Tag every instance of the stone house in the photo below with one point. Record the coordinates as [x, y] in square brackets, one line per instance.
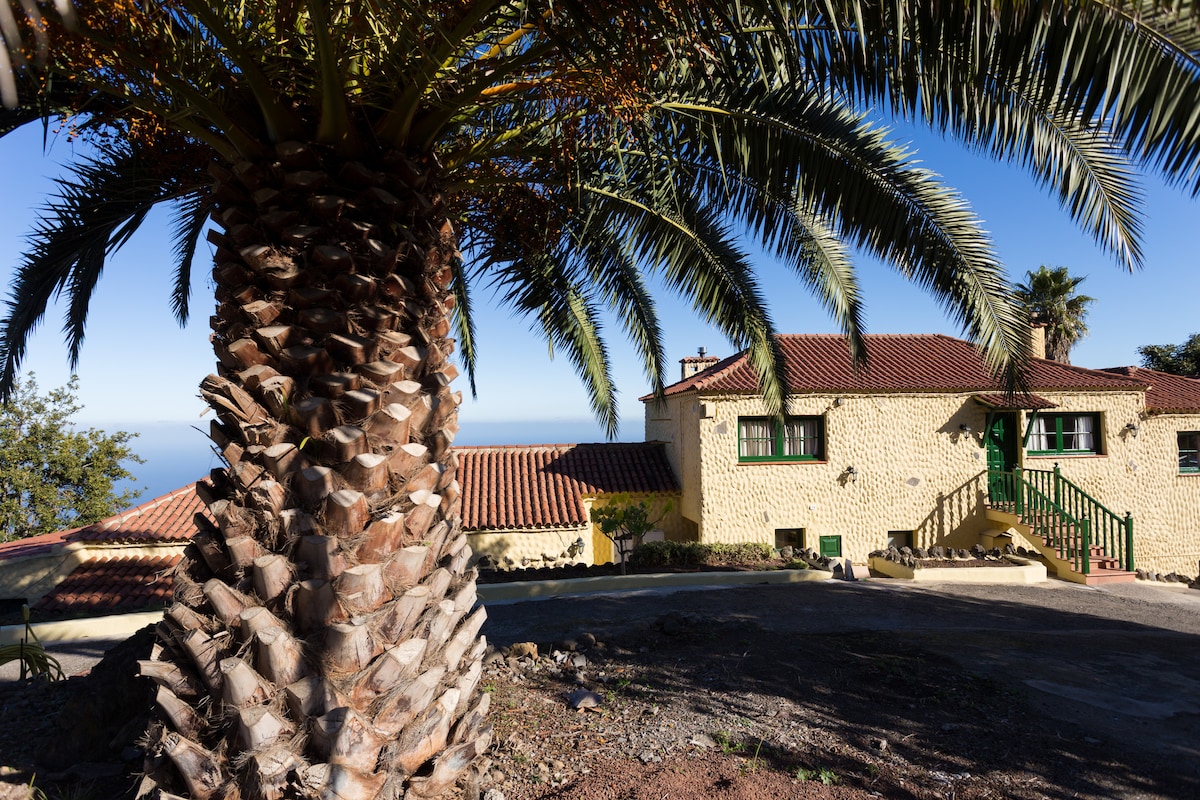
[922, 447]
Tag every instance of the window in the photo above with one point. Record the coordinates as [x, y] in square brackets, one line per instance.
[789, 537]
[797, 439]
[899, 539]
[1058, 434]
[1189, 451]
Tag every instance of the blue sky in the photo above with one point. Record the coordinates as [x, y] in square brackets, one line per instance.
[139, 369]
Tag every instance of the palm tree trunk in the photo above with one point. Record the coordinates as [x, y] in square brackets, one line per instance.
[324, 640]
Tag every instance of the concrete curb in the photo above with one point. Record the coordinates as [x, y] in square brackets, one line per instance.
[533, 590]
[125, 625]
[75, 630]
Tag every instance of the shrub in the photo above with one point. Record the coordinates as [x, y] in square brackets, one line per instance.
[696, 554]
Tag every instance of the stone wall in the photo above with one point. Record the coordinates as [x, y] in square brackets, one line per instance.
[916, 470]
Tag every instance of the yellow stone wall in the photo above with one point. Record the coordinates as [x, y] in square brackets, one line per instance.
[918, 471]
[537, 547]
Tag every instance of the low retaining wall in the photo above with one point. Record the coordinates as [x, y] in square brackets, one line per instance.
[1026, 572]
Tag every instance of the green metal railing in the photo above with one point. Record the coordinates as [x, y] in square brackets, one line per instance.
[1068, 518]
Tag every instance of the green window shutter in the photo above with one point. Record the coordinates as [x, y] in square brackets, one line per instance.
[831, 546]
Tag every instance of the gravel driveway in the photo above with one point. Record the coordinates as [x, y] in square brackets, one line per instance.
[1119, 661]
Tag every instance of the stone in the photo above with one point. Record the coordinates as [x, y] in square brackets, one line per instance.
[906, 550]
[1009, 549]
[523, 650]
[703, 740]
[787, 553]
[977, 551]
[921, 552]
[584, 700]
[586, 640]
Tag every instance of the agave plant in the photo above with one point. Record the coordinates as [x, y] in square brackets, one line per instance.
[342, 156]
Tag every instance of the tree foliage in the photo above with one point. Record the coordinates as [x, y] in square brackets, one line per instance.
[1177, 359]
[53, 476]
[625, 522]
[1049, 295]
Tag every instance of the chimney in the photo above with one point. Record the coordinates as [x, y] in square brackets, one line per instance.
[693, 364]
[1037, 339]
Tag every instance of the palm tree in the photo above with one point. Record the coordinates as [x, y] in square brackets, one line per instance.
[346, 154]
[1049, 297]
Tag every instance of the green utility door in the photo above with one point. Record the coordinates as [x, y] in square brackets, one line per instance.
[1002, 449]
[831, 546]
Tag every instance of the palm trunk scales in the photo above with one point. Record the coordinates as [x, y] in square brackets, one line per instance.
[324, 640]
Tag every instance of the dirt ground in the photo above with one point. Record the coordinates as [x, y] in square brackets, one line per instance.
[813, 690]
[851, 690]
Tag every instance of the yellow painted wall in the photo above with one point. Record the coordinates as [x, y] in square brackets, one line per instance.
[918, 471]
[542, 547]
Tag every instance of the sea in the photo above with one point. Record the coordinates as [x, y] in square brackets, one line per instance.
[176, 454]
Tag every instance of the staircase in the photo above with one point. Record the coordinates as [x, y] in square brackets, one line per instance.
[1078, 538]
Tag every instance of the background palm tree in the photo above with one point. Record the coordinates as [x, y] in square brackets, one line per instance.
[337, 154]
[1049, 296]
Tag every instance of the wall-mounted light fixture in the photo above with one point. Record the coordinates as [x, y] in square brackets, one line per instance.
[576, 547]
[1132, 428]
[965, 428]
[851, 473]
[837, 402]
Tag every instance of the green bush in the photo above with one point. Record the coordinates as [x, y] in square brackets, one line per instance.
[696, 554]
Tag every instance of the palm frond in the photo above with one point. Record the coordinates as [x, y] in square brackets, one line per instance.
[96, 210]
[189, 221]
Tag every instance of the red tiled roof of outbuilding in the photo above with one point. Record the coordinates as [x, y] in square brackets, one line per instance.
[170, 518]
[896, 362]
[1167, 393]
[114, 584]
[543, 486]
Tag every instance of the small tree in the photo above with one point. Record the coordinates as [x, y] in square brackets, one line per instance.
[51, 475]
[1177, 359]
[625, 522]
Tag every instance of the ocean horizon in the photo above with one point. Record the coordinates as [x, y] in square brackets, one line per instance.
[177, 454]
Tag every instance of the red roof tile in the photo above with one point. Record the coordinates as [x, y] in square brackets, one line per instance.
[34, 545]
[170, 518]
[541, 486]
[1000, 400]
[114, 584]
[1167, 393]
[896, 362]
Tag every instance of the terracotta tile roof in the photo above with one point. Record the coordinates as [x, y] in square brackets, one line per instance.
[541, 486]
[113, 585]
[170, 518]
[897, 362]
[34, 545]
[1167, 393]
[1027, 401]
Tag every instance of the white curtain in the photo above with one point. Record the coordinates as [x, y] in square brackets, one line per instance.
[802, 437]
[756, 437]
[1042, 435]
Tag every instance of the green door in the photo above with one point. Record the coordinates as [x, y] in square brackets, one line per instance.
[1001, 455]
[831, 546]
